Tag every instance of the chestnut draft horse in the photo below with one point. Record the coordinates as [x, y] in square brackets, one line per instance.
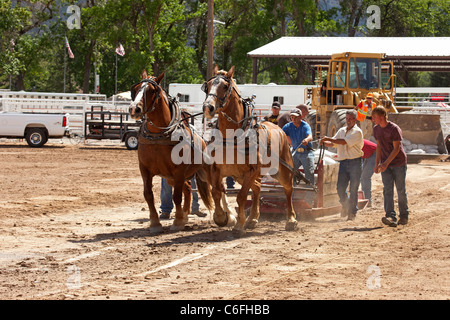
[223, 97]
[162, 119]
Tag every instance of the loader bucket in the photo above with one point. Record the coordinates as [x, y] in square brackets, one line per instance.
[421, 130]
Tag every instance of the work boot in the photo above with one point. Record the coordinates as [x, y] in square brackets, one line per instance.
[164, 215]
[389, 221]
[403, 221]
[351, 217]
[200, 214]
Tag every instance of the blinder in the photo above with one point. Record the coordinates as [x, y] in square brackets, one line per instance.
[145, 82]
[216, 79]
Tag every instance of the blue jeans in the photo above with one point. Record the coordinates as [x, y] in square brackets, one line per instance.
[366, 176]
[230, 183]
[166, 197]
[305, 159]
[397, 176]
[349, 176]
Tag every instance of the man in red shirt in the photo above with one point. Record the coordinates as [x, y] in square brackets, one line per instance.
[369, 158]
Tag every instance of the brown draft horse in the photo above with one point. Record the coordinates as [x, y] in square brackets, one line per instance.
[223, 98]
[161, 119]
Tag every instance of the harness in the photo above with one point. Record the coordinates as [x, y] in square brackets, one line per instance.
[249, 121]
[156, 138]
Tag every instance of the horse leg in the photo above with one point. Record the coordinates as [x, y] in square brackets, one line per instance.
[223, 218]
[241, 198]
[285, 179]
[155, 224]
[180, 217]
[252, 219]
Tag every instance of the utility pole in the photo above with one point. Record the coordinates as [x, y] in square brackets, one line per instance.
[210, 44]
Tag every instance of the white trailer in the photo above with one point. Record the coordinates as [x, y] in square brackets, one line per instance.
[289, 96]
[74, 105]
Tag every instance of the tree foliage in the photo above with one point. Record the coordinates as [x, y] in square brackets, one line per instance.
[171, 36]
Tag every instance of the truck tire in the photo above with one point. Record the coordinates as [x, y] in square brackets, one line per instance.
[131, 141]
[36, 137]
[311, 119]
[337, 121]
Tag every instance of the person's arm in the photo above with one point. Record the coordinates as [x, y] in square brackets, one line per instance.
[377, 159]
[307, 140]
[330, 141]
[289, 141]
[383, 166]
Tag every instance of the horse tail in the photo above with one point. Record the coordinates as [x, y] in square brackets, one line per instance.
[205, 193]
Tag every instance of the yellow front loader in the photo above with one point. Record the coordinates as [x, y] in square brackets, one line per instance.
[348, 80]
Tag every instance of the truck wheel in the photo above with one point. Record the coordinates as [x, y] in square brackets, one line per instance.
[311, 119]
[337, 121]
[36, 137]
[131, 141]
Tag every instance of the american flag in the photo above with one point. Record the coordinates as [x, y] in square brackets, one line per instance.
[120, 50]
[68, 49]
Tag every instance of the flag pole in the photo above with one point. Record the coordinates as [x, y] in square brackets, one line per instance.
[115, 90]
[65, 62]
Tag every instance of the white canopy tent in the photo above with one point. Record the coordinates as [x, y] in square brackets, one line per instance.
[408, 53]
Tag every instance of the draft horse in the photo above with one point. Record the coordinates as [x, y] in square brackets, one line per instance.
[223, 98]
[161, 118]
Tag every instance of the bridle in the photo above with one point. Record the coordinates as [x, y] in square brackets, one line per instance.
[216, 80]
[137, 97]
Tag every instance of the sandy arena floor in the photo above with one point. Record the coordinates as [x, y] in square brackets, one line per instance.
[74, 225]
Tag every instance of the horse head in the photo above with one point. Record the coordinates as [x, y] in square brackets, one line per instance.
[144, 95]
[217, 90]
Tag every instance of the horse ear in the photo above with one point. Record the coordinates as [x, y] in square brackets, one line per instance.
[216, 69]
[144, 75]
[230, 73]
[160, 77]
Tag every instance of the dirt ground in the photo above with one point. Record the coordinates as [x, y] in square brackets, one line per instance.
[74, 225]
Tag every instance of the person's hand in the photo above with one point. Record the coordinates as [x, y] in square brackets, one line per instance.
[382, 167]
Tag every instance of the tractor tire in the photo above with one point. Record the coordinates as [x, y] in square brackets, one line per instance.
[337, 121]
[36, 137]
[131, 141]
[311, 119]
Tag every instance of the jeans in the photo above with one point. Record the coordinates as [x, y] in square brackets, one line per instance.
[349, 174]
[305, 159]
[166, 197]
[230, 183]
[366, 176]
[395, 175]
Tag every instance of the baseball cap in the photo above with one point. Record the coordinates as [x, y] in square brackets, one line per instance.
[276, 105]
[296, 112]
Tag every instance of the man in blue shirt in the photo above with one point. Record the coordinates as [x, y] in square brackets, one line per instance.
[300, 137]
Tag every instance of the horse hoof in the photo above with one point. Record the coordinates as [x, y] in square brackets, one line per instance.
[156, 229]
[238, 232]
[251, 224]
[221, 222]
[176, 228]
[291, 226]
[231, 221]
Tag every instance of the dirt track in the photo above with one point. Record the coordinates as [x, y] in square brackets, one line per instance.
[74, 225]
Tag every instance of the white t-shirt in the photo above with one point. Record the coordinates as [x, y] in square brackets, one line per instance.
[355, 141]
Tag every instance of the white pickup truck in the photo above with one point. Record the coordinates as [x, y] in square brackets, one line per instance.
[36, 128]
